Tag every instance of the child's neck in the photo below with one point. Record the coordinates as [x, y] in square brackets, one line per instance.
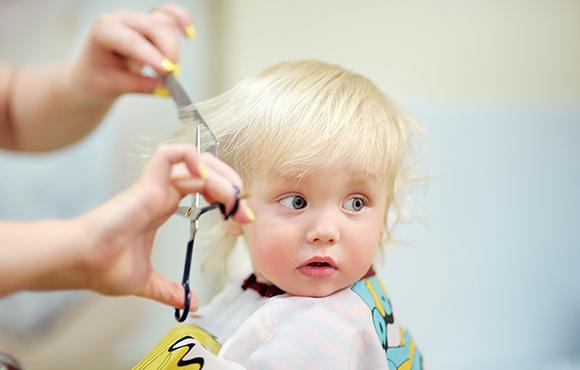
[262, 279]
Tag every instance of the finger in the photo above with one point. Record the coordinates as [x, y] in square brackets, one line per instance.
[133, 66]
[179, 15]
[111, 34]
[211, 184]
[222, 168]
[244, 213]
[220, 189]
[125, 82]
[169, 292]
[161, 31]
[166, 156]
[186, 184]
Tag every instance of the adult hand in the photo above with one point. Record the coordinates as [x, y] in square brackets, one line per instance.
[73, 98]
[118, 262]
[120, 43]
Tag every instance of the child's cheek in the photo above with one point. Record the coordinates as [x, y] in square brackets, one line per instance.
[269, 243]
[269, 251]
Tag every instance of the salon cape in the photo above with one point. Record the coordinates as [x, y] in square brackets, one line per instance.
[353, 328]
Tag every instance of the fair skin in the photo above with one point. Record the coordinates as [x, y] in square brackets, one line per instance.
[108, 249]
[48, 107]
[314, 237]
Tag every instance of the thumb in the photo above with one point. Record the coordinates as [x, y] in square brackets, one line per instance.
[166, 291]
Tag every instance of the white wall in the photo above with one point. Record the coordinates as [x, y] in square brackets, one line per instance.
[430, 50]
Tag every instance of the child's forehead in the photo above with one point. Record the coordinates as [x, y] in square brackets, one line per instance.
[298, 174]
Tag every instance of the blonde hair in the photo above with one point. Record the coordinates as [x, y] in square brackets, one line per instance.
[303, 116]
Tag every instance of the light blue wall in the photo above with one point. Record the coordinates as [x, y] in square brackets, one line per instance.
[492, 280]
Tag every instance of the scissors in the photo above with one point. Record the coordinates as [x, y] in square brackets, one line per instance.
[188, 113]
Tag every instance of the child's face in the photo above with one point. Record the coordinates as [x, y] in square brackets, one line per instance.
[316, 236]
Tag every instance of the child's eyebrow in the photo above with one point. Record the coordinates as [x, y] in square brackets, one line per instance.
[362, 178]
[286, 177]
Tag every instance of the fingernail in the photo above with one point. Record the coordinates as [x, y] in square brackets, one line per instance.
[250, 214]
[190, 31]
[177, 70]
[168, 65]
[161, 91]
[202, 171]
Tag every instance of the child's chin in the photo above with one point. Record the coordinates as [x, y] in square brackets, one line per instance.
[315, 292]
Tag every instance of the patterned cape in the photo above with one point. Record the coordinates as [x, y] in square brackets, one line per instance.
[252, 327]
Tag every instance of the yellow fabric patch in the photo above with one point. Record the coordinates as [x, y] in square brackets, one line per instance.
[378, 302]
[173, 351]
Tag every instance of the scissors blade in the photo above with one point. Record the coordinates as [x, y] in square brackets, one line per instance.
[187, 114]
[204, 140]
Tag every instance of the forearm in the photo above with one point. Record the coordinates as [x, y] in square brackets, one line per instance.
[41, 255]
[48, 108]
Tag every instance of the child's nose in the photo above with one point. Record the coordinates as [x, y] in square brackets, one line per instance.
[323, 232]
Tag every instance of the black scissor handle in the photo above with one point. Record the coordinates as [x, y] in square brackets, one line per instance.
[181, 316]
[234, 207]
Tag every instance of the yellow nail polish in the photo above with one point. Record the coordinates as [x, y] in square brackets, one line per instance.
[177, 70]
[202, 171]
[168, 65]
[161, 91]
[190, 31]
[250, 213]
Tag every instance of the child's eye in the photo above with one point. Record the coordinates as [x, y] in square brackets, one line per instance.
[293, 202]
[354, 204]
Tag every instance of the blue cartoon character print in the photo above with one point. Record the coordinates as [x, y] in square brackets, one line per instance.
[400, 351]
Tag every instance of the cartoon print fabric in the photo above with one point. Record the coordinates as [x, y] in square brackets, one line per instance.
[352, 329]
[400, 350]
[185, 347]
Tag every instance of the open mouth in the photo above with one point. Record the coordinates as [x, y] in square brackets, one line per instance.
[319, 261]
[318, 267]
[319, 264]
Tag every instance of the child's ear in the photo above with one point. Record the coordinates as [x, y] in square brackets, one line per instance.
[233, 228]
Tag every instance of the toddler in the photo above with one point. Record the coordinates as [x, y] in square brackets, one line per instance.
[321, 152]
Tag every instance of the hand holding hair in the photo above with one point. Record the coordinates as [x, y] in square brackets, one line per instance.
[122, 42]
[50, 106]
